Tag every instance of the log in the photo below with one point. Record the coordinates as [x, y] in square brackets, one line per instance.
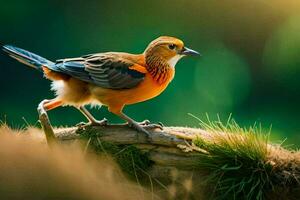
[175, 157]
[163, 146]
[243, 164]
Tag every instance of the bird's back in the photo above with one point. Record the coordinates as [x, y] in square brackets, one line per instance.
[113, 70]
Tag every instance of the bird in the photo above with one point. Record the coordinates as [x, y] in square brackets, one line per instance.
[112, 79]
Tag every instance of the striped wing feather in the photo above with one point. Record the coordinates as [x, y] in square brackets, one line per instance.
[107, 70]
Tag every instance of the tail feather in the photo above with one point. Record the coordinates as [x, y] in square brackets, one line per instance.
[27, 57]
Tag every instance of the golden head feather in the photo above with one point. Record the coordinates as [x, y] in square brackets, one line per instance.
[167, 49]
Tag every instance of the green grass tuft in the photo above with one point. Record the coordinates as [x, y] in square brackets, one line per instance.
[235, 164]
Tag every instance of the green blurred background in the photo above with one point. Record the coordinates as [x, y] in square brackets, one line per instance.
[250, 65]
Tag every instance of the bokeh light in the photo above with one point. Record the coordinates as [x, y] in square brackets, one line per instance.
[222, 79]
[250, 63]
[281, 56]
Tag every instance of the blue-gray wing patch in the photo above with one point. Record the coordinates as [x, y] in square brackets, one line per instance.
[106, 70]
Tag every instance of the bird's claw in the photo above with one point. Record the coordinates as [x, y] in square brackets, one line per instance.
[161, 124]
[81, 124]
[145, 122]
[152, 126]
[102, 122]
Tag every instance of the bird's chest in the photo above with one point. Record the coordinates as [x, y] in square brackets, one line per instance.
[149, 88]
[158, 85]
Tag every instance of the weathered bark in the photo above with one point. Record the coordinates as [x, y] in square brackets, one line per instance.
[163, 146]
[173, 167]
[176, 159]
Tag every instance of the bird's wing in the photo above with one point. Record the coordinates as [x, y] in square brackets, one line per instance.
[107, 70]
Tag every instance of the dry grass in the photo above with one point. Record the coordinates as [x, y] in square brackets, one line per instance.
[233, 163]
[31, 170]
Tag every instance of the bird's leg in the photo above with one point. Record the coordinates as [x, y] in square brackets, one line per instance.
[139, 126]
[42, 109]
[117, 110]
[50, 104]
[91, 118]
[133, 124]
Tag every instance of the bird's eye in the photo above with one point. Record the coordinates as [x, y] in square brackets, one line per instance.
[172, 46]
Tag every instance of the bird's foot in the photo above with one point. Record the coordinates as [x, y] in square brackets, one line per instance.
[152, 126]
[147, 124]
[102, 122]
[144, 123]
[140, 128]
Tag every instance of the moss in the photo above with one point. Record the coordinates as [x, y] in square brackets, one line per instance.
[131, 160]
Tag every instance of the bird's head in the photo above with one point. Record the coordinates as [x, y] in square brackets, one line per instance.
[168, 49]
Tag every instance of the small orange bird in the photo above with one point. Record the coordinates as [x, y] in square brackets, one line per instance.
[113, 79]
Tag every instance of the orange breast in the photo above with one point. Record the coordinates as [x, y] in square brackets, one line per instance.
[147, 89]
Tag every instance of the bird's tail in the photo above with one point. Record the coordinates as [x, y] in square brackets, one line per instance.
[27, 57]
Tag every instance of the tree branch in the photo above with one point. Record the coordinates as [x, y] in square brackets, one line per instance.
[173, 148]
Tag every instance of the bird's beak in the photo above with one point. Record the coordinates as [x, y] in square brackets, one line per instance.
[189, 52]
